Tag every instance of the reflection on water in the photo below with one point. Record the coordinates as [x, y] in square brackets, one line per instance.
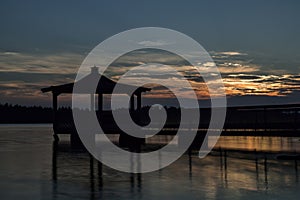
[274, 144]
[34, 167]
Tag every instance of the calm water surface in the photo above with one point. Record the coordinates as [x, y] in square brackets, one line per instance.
[32, 167]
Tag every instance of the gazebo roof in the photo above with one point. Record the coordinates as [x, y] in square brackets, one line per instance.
[105, 85]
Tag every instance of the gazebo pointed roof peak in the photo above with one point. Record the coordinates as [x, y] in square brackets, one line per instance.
[105, 85]
[95, 70]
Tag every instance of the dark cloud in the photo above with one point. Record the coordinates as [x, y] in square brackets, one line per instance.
[35, 77]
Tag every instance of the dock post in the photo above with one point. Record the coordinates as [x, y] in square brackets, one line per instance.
[295, 119]
[75, 140]
[265, 119]
[266, 171]
[131, 142]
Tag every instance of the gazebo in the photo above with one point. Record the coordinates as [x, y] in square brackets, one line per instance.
[104, 86]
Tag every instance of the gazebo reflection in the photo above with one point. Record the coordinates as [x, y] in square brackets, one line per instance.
[86, 168]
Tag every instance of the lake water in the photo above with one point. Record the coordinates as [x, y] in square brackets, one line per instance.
[32, 167]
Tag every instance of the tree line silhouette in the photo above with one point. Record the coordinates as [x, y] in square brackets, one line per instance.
[25, 114]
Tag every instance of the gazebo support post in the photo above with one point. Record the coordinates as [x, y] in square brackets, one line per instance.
[132, 102]
[92, 107]
[125, 140]
[54, 107]
[100, 102]
[139, 101]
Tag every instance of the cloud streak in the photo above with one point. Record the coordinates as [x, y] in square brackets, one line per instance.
[157, 43]
[39, 63]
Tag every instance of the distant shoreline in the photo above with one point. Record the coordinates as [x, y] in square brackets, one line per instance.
[2, 125]
[17, 114]
[25, 123]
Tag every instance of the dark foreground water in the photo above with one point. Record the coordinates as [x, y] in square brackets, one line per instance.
[33, 168]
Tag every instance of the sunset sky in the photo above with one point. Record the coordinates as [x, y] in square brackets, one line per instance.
[255, 44]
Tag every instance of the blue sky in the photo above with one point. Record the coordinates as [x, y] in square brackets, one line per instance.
[43, 43]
